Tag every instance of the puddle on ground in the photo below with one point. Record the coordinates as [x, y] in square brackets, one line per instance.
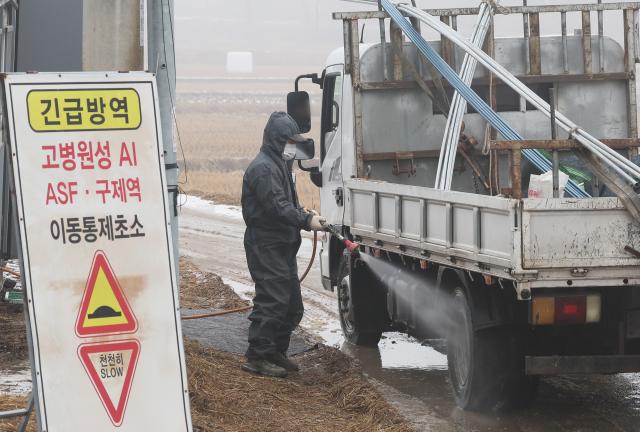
[634, 395]
[15, 381]
[564, 404]
[399, 351]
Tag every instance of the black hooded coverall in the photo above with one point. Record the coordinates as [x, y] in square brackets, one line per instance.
[271, 241]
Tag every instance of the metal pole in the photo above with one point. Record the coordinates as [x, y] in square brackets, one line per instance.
[555, 157]
[525, 22]
[416, 24]
[10, 228]
[636, 33]
[25, 421]
[144, 34]
[161, 55]
[35, 373]
[565, 45]
[601, 38]
[630, 66]
[3, 46]
[383, 46]
[587, 52]
[396, 45]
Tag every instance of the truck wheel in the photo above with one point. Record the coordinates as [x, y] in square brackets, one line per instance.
[359, 310]
[486, 367]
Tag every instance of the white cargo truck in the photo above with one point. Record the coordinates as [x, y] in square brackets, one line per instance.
[520, 287]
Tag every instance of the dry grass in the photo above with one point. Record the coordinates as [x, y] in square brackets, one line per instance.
[308, 193]
[221, 127]
[226, 188]
[13, 350]
[203, 290]
[210, 135]
[13, 334]
[329, 394]
[8, 403]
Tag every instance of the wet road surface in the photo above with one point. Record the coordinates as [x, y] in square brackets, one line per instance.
[234, 327]
[413, 377]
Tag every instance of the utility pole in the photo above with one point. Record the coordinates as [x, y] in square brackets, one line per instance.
[161, 56]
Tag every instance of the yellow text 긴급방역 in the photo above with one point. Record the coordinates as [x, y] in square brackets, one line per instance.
[83, 109]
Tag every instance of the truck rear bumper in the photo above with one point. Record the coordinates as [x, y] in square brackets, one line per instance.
[554, 365]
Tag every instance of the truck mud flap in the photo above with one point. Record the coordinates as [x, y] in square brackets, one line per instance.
[554, 365]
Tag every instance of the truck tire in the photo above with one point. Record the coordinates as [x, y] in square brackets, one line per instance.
[360, 306]
[486, 367]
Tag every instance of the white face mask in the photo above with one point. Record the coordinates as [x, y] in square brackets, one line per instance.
[289, 152]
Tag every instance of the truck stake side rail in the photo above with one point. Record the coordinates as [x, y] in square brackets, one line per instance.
[535, 242]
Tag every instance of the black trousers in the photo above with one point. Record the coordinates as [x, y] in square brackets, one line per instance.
[277, 306]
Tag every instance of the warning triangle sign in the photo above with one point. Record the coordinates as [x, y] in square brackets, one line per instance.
[104, 309]
[111, 367]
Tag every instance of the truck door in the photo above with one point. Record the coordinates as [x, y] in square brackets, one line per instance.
[331, 198]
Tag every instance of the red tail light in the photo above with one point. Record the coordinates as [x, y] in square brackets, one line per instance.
[571, 310]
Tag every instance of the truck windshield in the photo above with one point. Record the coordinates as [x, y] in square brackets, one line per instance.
[331, 103]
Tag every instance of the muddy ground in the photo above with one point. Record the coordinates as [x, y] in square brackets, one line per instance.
[330, 392]
[13, 341]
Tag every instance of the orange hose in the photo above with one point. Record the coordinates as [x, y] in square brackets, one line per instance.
[313, 256]
[213, 314]
[246, 308]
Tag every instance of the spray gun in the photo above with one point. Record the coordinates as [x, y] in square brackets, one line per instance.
[351, 246]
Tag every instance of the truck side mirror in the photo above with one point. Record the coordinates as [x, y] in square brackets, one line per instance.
[299, 107]
[305, 150]
[313, 169]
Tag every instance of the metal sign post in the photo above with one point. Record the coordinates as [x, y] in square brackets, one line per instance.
[97, 252]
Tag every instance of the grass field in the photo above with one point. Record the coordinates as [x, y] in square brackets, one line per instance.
[220, 126]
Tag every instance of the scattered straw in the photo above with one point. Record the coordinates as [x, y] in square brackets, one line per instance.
[329, 394]
[9, 403]
[203, 290]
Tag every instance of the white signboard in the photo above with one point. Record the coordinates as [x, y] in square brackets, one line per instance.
[97, 252]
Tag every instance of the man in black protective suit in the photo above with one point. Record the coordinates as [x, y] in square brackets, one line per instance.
[271, 241]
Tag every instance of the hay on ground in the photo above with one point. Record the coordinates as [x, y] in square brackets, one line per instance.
[204, 290]
[329, 394]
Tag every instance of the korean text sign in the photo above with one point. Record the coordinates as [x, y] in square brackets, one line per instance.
[88, 168]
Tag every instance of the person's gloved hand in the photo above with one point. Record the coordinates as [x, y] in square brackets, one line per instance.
[318, 223]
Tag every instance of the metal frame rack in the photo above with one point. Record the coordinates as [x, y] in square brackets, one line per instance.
[434, 87]
[8, 37]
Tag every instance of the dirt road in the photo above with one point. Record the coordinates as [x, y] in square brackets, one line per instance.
[411, 376]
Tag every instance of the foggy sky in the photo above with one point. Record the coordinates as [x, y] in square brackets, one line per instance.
[289, 37]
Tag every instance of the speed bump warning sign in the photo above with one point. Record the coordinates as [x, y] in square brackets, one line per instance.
[97, 254]
[104, 308]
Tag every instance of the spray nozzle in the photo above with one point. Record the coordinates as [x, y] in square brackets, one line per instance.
[352, 247]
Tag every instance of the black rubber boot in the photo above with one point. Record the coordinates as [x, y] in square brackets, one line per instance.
[265, 368]
[285, 362]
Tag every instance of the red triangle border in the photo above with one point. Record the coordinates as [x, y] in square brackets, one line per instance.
[116, 414]
[100, 261]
